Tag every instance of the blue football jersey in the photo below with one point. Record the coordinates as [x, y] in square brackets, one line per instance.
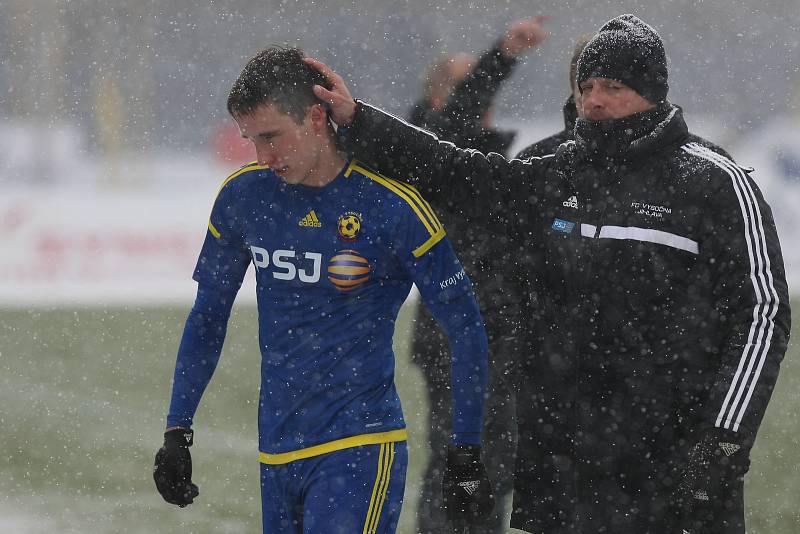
[333, 265]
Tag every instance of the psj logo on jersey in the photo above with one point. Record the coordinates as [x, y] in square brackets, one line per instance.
[347, 270]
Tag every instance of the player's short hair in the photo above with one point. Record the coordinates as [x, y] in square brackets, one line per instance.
[278, 76]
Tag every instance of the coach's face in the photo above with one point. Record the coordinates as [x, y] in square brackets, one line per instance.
[291, 149]
[603, 99]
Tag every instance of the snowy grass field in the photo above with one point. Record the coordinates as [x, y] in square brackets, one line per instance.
[83, 394]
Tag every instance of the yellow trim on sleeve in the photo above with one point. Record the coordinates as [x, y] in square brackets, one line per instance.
[252, 166]
[426, 246]
[332, 446]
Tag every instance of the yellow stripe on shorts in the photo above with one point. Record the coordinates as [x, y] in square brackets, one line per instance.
[379, 489]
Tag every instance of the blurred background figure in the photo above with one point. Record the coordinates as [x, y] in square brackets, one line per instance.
[457, 106]
[572, 109]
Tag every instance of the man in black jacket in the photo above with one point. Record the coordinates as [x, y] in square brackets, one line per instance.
[660, 304]
[459, 93]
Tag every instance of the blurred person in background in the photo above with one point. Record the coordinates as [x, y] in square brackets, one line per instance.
[336, 249]
[457, 106]
[662, 309]
[572, 109]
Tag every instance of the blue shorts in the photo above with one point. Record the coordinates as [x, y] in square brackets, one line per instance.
[358, 490]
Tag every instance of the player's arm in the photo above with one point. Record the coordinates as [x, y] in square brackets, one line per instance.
[751, 299]
[446, 290]
[219, 273]
[480, 185]
[473, 96]
[199, 351]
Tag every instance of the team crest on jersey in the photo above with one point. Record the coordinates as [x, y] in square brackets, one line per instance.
[349, 226]
[348, 270]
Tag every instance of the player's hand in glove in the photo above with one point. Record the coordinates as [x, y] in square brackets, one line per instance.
[173, 468]
[714, 474]
[466, 489]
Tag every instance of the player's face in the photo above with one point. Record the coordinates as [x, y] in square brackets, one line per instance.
[603, 99]
[291, 149]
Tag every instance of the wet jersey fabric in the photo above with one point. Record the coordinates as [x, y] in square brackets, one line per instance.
[333, 266]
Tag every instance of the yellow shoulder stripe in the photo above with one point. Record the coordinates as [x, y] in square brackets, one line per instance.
[252, 166]
[332, 446]
[407, 193]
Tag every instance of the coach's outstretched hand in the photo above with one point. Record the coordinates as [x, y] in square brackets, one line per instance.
[173, 468]
[341, 104]
[466, 490]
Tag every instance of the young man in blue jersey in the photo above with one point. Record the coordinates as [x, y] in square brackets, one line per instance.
[336, 248]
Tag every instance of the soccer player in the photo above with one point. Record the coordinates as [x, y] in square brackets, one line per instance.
[336, 248]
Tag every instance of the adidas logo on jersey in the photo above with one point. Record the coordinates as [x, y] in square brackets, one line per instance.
[571, 202]
[310, 220]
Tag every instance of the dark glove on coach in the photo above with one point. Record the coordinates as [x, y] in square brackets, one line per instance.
[173, 468]
[466, 489]
[714, 473]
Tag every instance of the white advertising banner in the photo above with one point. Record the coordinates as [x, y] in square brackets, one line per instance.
[63, 247]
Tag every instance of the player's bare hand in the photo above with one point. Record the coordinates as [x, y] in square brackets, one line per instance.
[341, 103]
[523, 35]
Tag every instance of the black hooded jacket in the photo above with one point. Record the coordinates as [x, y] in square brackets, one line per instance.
[657, 296]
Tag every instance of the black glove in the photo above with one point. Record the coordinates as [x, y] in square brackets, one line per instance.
[466, 489]
[173, 468]
[714, 473]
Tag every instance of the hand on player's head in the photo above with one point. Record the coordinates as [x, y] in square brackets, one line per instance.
[340, 102]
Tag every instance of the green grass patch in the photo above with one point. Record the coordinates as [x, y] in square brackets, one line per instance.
[84, 393]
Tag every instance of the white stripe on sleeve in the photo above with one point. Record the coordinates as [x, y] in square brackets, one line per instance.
[759, 338]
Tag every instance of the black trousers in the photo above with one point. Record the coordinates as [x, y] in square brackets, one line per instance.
[432, 355]
[618, 472]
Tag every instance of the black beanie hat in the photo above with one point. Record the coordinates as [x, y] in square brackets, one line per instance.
[630, 51]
